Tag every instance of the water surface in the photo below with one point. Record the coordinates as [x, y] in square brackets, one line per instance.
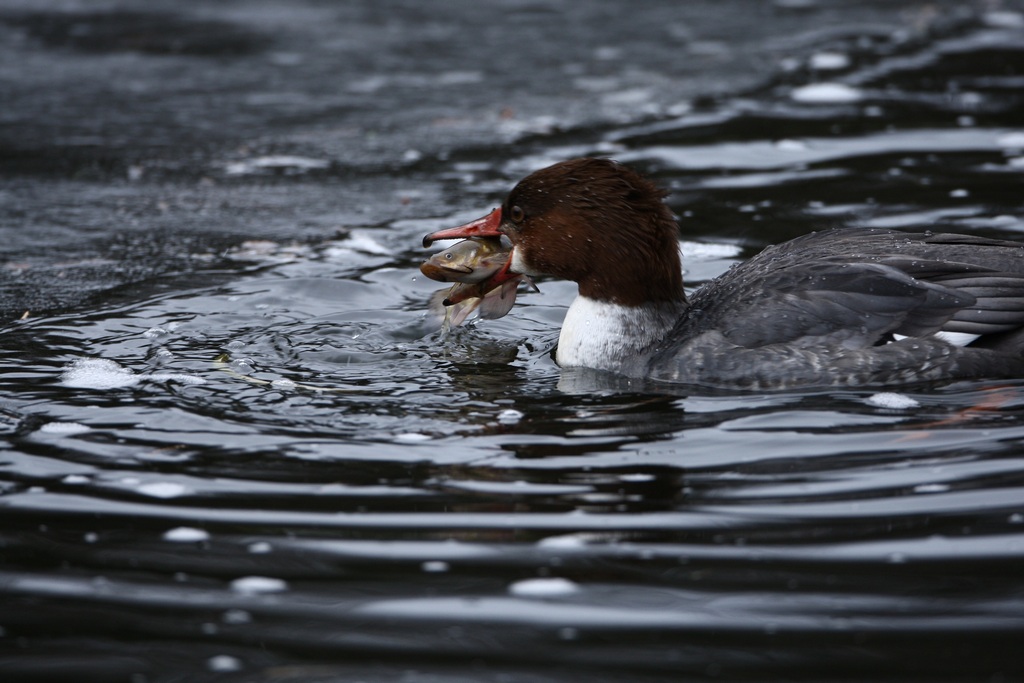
[277, 468]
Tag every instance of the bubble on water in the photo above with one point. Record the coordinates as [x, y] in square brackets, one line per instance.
[175, 377]
[257, 585]
[162, 489]
[829, 61]
[224, 663]
[562, 541]
[76, 479]
[186, 534]
[543, 588]
[931, 488]
[277, 163]
[959, 192]
[509, 416]
[98, 373]
[64, 428]
[412, 437]
[435, 566]
[636, 477]
[891, 400]
[260, 548]
[242, 366]
[826, 93]
[787, 145]
[102, 373]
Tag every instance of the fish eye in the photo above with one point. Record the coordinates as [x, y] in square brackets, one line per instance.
[449, 255]
[517, 214]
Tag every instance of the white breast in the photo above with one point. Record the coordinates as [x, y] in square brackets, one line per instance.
[602, 335]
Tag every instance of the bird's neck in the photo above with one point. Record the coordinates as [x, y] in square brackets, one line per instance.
[610, 336]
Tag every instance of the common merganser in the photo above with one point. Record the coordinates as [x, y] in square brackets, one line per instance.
[845, 307]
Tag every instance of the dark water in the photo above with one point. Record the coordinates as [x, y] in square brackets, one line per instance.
[276, 469]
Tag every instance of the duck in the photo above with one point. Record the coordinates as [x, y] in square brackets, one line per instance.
[843, 307]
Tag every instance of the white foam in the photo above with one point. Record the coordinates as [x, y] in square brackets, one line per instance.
[186, 534]
[412, 437]
[787, 145]
[826, 93]
[562, 541]
[277, 162]
[223, 663]
[98, 373]
[102, 373]
[175, 377]
[636, 476]
[162, 489]
[256, 585]
[435, 566]
[829, 61]
[509, 416]
[892, 400]
[543, 588]
[64, 428]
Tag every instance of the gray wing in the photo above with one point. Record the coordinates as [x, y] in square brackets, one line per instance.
[864, 288]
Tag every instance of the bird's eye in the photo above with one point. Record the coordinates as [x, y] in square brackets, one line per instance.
[517, 214]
